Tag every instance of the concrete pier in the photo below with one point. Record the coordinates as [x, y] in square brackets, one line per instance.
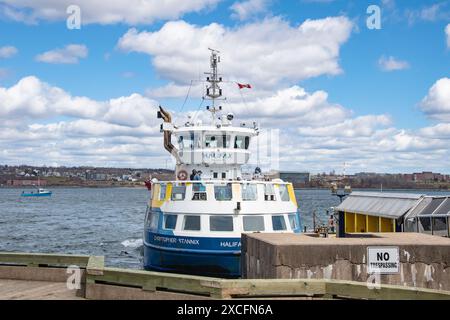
[424, 260]
[45, 276]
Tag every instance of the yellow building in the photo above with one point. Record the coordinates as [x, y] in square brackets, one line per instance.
[372, 212]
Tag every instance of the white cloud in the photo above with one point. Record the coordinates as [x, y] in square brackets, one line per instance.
[364, 126]
[8, 51]
[70, 54]
[392, 64]
[31, 98]
[437, 103]
[431, 13]
[265, 53]
[315, 133]
[104, 12]
[447, 32]
[290, 107]
[118, 132]
[243, 10]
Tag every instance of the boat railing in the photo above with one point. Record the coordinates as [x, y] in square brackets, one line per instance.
[223, 182]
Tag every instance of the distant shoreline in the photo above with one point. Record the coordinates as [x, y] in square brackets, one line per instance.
[144, 187]
[77, 187]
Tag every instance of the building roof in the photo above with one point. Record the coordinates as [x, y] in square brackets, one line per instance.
[431, 206]
[387, 205]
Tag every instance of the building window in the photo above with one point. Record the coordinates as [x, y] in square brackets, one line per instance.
[284, 194]
[440, 227]
[223, 193]
[221, 223]
[293, 221]
[170, 221]
[425, 225]
[253, 224]
[178, 193]
[191, 223]
[224, 175]
[216, 175]
[242, 142]
[269, 192]
[278, 223]
[249, 192]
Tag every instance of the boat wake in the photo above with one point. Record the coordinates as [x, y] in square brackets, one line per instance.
[133, 243]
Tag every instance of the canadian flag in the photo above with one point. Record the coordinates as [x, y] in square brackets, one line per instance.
[242, 86]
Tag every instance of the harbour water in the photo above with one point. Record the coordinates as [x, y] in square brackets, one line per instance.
[103, 221]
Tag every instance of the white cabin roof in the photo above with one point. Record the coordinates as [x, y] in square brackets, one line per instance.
[246, 130]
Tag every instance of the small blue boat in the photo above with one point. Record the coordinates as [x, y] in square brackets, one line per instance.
[39, 193]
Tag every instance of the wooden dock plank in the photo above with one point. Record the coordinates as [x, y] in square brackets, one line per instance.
[35, 290]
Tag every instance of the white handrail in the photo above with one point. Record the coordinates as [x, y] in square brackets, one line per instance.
[222, 182]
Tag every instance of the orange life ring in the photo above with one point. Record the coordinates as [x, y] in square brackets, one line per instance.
[182, 175]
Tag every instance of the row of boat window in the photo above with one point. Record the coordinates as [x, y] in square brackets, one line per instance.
[191, 142]
[222, 223]
[249, 192]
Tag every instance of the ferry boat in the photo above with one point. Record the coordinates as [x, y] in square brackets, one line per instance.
[193, 225]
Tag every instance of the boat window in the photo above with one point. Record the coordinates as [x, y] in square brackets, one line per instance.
[191, 223]
[226, 141]
[249, 192]
[147, 217]
[170, 221]
[221, 223]
[199, 192]
[293, 221]
[154, 220]
[278, 223]
[242, 142]
[284, 194]
[179, 193]
[253, 224]
[162, 191]
[218, 141]
[269, 192]
[186, 142]
[211, 142]
[223, 192]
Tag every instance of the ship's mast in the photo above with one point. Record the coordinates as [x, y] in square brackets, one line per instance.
[213, 90]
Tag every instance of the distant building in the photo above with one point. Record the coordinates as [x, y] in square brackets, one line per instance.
[428, 177]
[93, 176]
[296, 178]
[25, 182]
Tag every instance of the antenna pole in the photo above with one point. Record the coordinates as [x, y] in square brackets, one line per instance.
[213, 90]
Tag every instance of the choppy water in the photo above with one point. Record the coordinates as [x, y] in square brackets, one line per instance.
[104, 221]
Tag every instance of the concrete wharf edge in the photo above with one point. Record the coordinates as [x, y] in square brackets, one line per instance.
[98, 282]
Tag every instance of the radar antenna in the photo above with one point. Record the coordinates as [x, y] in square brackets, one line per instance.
[213, 90]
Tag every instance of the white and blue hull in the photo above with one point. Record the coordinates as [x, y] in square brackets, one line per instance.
[206, 252]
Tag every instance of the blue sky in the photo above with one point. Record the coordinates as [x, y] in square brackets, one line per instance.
[412, 37]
